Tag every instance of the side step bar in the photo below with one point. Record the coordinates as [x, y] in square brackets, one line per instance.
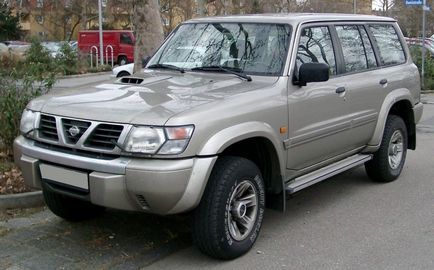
[326, 172]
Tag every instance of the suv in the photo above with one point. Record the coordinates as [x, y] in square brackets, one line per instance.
[229, 116]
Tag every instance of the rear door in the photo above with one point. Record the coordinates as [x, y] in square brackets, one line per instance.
[364, 81]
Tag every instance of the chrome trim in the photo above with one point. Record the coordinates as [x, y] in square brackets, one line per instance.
[115, 166]
[81, 142]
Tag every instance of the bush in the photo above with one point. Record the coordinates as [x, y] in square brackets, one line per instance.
[21, 82]
[416, 53]
[67, 60]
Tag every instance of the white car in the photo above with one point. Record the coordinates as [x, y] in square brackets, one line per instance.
[121, 71]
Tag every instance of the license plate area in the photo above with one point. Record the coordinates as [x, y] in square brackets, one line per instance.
[63, 176]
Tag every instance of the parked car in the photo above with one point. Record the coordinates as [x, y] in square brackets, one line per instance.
[121, 41]
[266, 106]
[53, 47]
[417, 42]
[122, 71]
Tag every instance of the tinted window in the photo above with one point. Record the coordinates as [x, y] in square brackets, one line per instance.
[316, 47]
[126, 39]
[352, 47]
[391, 51]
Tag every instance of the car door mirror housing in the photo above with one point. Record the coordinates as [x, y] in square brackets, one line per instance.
[313, 72]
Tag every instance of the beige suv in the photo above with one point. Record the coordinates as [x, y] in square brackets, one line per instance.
[230, 115]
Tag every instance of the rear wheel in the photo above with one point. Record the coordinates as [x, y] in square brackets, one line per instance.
[228, 219]
[70, 208]
[389, 160]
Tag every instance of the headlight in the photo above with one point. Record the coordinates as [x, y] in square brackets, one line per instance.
[157, 140]
[28, 121]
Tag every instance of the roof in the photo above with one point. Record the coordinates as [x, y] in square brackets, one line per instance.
[292, 18]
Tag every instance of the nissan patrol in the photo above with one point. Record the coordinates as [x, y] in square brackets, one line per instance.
[230, 115]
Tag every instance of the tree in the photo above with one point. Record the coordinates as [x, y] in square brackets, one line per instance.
[148, 29]
[9, 24]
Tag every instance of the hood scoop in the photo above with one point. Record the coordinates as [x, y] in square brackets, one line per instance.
[131, 80]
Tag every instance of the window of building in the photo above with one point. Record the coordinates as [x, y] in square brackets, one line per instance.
[391, 51]
[39, 3]
[316, 46]
[39, 19]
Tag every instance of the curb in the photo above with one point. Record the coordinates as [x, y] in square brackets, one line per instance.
[84, 75]
[21, 200]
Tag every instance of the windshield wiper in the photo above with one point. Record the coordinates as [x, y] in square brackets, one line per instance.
[167, 66]
[220, 68]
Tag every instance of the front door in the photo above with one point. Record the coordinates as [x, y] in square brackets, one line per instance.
[318, 113]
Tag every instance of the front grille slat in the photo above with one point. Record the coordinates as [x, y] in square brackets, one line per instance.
[103, 136]
[48, 128]
[100, 137]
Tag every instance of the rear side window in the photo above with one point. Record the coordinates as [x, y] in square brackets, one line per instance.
[352, 47]
[316, 46]
[391, 51]
[356, 48]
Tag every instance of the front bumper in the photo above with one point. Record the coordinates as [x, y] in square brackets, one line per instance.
[156, 186]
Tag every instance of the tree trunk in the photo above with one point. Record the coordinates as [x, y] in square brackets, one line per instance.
[201, 8]
[148, 30]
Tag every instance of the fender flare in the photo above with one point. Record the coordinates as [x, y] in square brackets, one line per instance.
[391, 99]
[221, 140]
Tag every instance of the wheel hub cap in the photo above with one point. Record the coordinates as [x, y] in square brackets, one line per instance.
[396, 146]
[243, 209]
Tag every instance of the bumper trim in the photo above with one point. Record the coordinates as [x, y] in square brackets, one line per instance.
[28, 148]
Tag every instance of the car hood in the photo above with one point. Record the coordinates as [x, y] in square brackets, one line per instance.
[158, 97]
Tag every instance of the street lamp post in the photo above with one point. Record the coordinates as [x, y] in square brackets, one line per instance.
[355, 6]
[424, 8]
[101, 46]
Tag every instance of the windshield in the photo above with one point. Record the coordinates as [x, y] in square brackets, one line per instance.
[257, 49]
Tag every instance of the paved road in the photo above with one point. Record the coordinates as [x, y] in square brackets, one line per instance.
[347, 222]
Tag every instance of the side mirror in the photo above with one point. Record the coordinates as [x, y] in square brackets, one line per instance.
[313, 72]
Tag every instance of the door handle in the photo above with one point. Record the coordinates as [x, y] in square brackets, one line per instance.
[340, 90]
[383, 81]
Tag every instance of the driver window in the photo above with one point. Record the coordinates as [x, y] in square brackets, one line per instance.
[315, 46]
[126, 39]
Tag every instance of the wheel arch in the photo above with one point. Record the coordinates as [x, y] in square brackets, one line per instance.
[399, 102]
[256, 142]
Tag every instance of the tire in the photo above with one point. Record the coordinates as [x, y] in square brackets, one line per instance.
[123, 74]
[231, 179]
[69, 208]
[122, 60]
[385, 167]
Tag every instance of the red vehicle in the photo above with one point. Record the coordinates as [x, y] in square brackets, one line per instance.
[122, 42]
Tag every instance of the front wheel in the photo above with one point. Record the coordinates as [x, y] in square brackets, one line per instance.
[389, 160]
[227, 222]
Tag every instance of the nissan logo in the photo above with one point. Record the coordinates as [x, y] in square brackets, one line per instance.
[74, 131]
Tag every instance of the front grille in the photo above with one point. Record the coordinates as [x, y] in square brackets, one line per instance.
[69, 124]
[104, 135]
[48, 128]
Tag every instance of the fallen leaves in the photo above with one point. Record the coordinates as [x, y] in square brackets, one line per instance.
[11, 180]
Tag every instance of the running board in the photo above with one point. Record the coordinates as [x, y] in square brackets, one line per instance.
[326, 172]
